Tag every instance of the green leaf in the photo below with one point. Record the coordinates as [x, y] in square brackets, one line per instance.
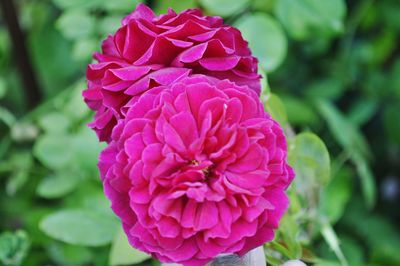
[224, 8]
[362, 111]
[3, 87]
[86, 149]
[332, 240]
[122, 253]
[53, 151]
[310, 158]
[176, 5]
[80, 227]
[266, 39]
[336, 195]
[328, 88]
[16, 181]
[75, 108]
[84, 48]
[395, 78]
[64, 254]
[299, 111]
[276, 109]
[82, 4]
[57, 186]
[20, 163]
[54, 122]
[352, 250]
[367, 179]
[7, 117]
[52, 59]
[391, 116]
[377, 233]
[76, 24]
[13, 247]
[108, 25]
[352, 141]
[263, 5]
[120, 5]
[304, 19]
[289, 232]
[345, 132]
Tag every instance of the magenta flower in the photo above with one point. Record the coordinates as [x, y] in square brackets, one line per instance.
[171, 43]
[196, 169]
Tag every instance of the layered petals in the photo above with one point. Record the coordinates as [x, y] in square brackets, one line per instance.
[149, 51]
[196, 168]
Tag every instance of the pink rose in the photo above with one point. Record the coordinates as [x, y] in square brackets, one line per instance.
[196, 169]
[171, 43]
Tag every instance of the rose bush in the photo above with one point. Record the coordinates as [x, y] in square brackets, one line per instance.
[151, 50]
[196, 169]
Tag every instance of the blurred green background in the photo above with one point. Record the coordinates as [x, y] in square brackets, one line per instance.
[333, 69]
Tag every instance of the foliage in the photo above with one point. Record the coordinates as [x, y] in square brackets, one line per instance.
[333, 68]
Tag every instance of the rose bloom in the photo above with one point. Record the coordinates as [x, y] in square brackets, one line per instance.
[197, 169]
[149, 51]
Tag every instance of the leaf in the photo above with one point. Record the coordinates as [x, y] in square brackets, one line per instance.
[7, 117]
[262, 5]
[51, 54]
[82, 4]
[350, 138]
[332, 240]
[305, 19]
[120, 5]
[299, 112]
[75, 108]
[3, 87]
[367, 179]
[328, 88]
[16, 182]
[57, 186]
[21, 163]
[352, 250]
[122, 253]
[176, 5]
[53, 150]
[266, 39]
[310, 158]
[336, 195]
[64, 254]
[362, 111]
[80, 227]
[289, 230]
[76, 24]
[108, 25]
[54, 122]
[276, 109]
[83, 48]
[377, 233]
[86, 149]
[224, 8]
[391, 116]
[395, 78]
[345, 132]
[13, 247]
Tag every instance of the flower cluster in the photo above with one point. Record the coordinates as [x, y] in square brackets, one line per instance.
[194, 166]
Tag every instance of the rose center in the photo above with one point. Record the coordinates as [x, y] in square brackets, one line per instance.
[206, 169]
